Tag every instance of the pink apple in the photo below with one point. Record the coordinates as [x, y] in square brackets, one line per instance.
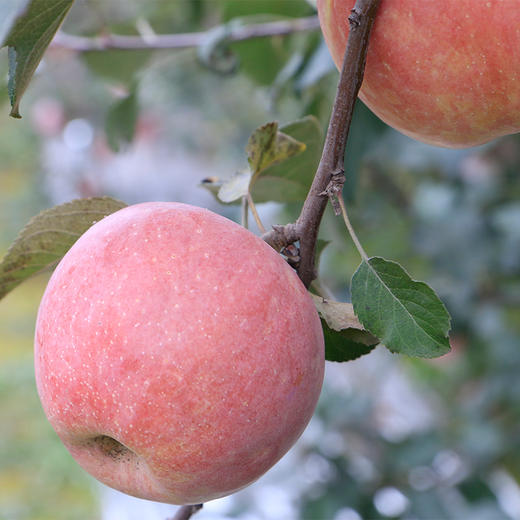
[178, 356]
[445, 72]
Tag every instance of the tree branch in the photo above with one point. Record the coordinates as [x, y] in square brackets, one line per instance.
[183, 40]
[332, 160]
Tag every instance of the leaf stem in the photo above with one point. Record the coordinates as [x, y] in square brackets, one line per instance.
[350, 228]
[256, 216]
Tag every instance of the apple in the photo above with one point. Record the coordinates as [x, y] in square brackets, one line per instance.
[177, 355]
[444, 72]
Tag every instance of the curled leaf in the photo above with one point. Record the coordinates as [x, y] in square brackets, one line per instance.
[27, 41]
[236, 187]
[345, 337]
[267, 146]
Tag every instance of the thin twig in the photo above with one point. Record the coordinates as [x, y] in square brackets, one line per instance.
[186, 512]
[183, 40]
[332, 161]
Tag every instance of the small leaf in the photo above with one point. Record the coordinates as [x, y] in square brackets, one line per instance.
[48, 236]
[267, 146]
[236, 187]
[345, 337]
[28, 40]
[406, 315]
[290, 180]
[121, 120]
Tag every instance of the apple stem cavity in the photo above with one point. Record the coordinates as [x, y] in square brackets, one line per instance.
[331, 164]
[110, 447]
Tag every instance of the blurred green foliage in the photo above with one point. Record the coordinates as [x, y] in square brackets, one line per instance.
[447, 445]
[38, 480]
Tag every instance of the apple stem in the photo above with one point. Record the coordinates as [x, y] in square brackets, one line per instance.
[361, 20]
[186, 512]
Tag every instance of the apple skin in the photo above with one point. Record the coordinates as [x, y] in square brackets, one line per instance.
[177, 355]
[440, 71]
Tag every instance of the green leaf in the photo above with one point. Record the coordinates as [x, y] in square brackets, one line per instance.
[27, 41]
[260, 59]
[267, 147]
[406, 315]
[116, 65]
[121, 120]
[10, 10]
[345, 337]
[48, 236]
[287, 180]
[296, 173]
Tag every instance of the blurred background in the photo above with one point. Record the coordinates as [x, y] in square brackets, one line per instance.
[393, 437]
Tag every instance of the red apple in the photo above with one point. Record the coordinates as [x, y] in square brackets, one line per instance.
[178, 356]
[445, 72]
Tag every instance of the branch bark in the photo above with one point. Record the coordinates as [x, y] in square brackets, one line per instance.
[183, 40]
[331, 164]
